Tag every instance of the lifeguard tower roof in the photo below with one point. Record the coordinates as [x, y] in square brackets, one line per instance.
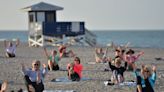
[42, 6]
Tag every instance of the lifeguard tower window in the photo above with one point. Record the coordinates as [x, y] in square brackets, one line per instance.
[31, 18]
[50, 17]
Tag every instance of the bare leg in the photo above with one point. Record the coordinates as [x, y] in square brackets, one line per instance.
[50, 64]
[114, 77]
[120, 78]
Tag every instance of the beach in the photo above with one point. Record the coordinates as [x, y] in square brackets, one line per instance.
[11, 69]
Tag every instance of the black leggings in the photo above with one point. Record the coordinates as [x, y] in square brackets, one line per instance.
[55, 68]
[74, 76]
[38, 87]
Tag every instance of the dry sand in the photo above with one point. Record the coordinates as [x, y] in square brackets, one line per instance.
[11, 69]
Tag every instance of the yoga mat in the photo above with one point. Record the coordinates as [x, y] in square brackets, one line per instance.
[65, 80]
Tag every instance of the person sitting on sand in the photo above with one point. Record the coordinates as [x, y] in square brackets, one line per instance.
[117, 71]
[120, 50]
[34, 77]
[75, 70]
[130, 58]
[11, 48]
[64, 53]
[120, 53]
[100, 56]
[3, 86]
[53, 60]
[146, 79]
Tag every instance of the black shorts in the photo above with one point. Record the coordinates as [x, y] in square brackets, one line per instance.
[55, 68]
[10, 55]
[75, 77]
[38, 87]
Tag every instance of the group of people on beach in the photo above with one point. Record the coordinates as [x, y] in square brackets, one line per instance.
[145, 80]
[34, 76]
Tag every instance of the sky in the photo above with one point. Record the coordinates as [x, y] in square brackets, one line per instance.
[97, 14]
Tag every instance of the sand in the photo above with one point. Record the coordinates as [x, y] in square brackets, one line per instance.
[11, 69]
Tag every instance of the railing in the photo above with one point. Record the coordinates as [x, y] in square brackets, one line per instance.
[63, 28]
[90, 38]
[35, 28]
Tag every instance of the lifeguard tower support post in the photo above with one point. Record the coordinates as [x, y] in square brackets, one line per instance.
[45, 30]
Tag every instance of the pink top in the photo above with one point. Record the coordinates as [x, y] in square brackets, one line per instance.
[78, 69]
[131, 59]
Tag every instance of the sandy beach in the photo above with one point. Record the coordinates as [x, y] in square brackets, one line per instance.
[11, 69]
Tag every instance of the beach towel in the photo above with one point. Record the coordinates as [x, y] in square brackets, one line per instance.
[126, 83]
[92, 63]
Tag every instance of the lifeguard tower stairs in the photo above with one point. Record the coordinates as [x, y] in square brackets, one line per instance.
[44, 29]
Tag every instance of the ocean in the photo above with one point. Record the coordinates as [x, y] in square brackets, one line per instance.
[150, 39]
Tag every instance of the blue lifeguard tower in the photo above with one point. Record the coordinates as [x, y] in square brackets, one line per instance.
[44, 29]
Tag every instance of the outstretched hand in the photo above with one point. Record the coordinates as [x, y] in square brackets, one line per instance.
[44, 65]
[154, 68]
[141, 53]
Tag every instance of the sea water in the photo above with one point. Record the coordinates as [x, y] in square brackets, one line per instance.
[152, 39]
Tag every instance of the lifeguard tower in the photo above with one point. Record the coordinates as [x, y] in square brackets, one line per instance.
[45, 30]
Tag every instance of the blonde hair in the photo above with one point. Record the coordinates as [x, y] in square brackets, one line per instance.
[147, 68]
[118, 60]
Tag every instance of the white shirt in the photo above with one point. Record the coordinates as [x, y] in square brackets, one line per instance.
[11, 50]
[33, 74]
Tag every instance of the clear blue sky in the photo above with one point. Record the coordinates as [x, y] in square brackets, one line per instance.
[98, 14]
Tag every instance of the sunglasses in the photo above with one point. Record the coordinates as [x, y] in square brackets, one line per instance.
[36, 64]
[76, 60]
[146, 71]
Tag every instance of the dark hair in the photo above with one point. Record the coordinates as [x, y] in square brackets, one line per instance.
[61, 49]
[130, 51]
[117, 50]
[78, 59]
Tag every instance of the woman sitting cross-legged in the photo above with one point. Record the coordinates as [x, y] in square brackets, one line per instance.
[34, 77]
[64, 52]
[130, 58]
[145, 80]
[75, 70]
[117, 71]
[100, 55]
[11, 48]
[53, 60]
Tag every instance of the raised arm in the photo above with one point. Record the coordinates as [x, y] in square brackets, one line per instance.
[126, 45]
[5, 43]
[106, 51]
[46, 53]
[23, 68]
[45, 70]
[17, 42]
[139, 54]
[153, 77]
